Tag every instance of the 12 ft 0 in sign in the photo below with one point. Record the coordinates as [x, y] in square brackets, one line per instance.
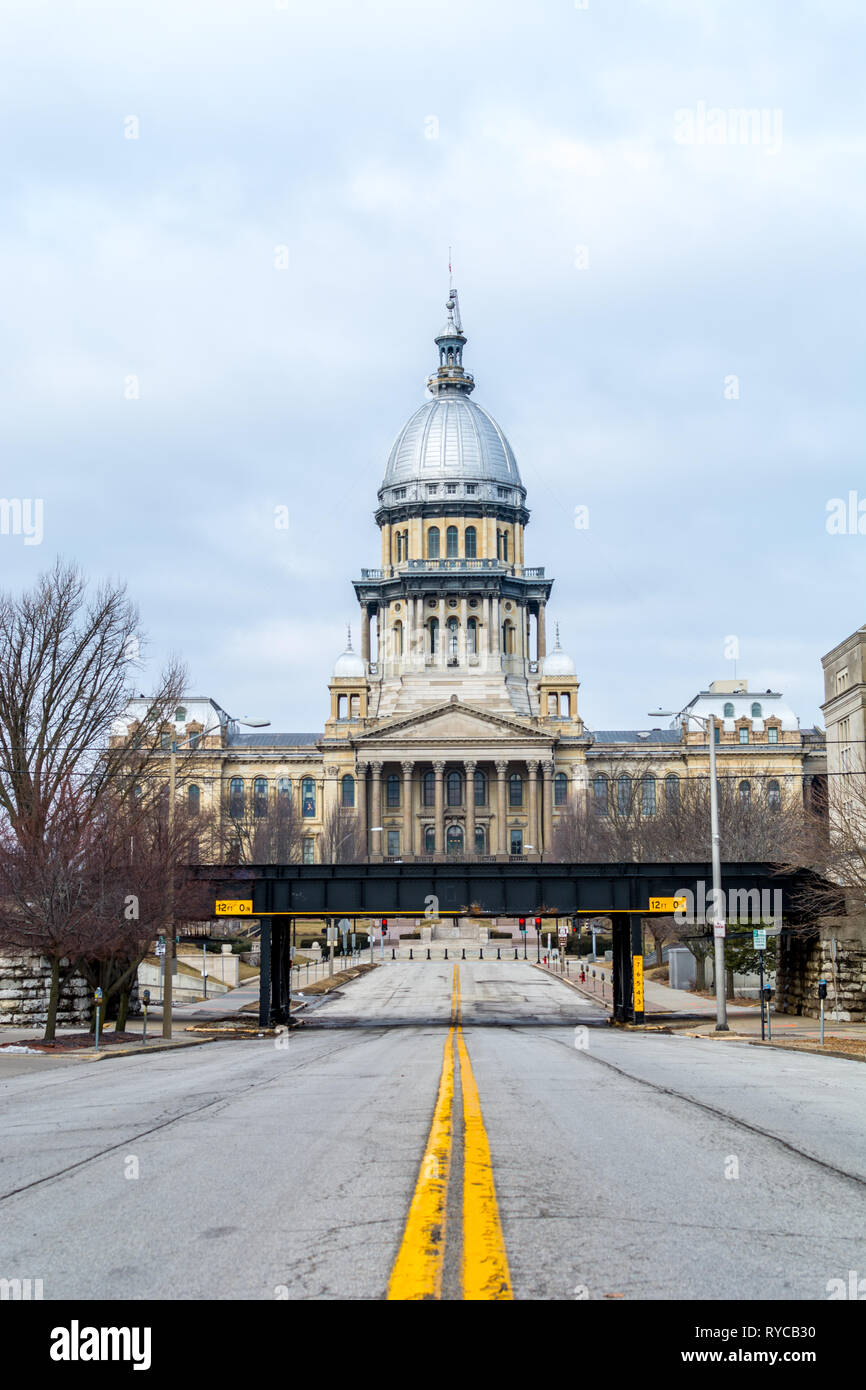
[235, 907]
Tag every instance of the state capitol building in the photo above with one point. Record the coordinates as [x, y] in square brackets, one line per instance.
[454, 727]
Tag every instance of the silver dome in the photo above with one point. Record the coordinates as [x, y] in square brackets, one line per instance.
[451, 439]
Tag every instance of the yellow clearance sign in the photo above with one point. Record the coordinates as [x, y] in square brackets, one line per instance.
[667, 904]
[637, 967]
[241, 907]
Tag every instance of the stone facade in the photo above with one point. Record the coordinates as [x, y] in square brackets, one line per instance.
[25, 983]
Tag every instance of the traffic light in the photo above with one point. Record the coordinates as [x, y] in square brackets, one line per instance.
[538, 924]
[822, 989]
[521, 922]
[384, 926]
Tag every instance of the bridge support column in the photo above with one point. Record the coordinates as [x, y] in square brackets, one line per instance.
[265, 975]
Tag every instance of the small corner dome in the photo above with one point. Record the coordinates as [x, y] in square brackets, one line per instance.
[557, 662]
[349, 663]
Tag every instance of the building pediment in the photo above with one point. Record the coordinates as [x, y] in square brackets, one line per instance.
[453, 723]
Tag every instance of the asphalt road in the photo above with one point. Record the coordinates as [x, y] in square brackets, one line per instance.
[624, 1164]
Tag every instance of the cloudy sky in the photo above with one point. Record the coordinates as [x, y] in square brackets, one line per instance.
[223, 250]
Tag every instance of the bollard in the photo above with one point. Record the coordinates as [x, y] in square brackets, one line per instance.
[446, 952]
[480, 953]
[515, 953]
[410, 953]
[498, 953]
[428, 952]
[463, 957]
[393, 957]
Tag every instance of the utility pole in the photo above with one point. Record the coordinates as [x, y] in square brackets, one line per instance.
[718, 910]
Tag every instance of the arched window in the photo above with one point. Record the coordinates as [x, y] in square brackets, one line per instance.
[505, 545]
[471, 542]
[774, 795]
[481, 789]
[560, 789]
[480, 840]
[600, 796]
[428, 789]
[193, 800]
[180, 715]
[729, 710]
[508, 639]
[451, 538]
[347, 791]
[392, 789]
[745, 791]
[308, 797]
[260, 796]
[137, 790]
[236, 797]
[515, 789]
[454, 839]
[472, 636]
[405, 545]
[648, 796]
[430, 840]
[433, 543]
[399, 546]
[433, 631]
[284, 789]
[398, 639]
[623, 794]
[672, 791]
[756, 710]
[452, 637]
[454, 783]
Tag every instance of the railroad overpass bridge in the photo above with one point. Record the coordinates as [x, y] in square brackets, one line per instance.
[284, 893]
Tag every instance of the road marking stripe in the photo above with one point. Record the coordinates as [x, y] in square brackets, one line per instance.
[485, 1273]
[417, 1272]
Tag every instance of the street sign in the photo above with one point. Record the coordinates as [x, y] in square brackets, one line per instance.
[667, 904]
[759, 940]
[637, 974]
[562, 931]
[235, 907]
[718, 929]
[345, 925]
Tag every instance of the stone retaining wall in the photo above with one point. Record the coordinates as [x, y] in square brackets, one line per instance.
[25, 984]
[804, 961]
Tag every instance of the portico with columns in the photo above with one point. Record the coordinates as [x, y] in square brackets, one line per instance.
[456, 780]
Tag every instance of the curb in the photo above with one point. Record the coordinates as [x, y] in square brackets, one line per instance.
[147, 1049]
[584, 994]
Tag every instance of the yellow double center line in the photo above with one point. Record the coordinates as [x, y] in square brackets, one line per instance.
[417, 1272]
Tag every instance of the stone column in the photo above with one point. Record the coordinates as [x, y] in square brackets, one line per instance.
[365, 631]
[408, 809]
[532, 768]
[542, 632]
[462, 636]
[361, 803]
[376, 810]
[439, 807]
[547, 769]
[502, 807]
[495, 625]
[443, 635]
[469, 780]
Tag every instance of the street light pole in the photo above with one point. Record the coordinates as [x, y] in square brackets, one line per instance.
[718, 901]
[709, 723]
[169, 957]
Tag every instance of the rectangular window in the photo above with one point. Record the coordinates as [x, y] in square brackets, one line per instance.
[471, 489]
[399, 494]
[841, 681]
[451, 488]
[744, 735]
[393, 842]
[517, 842]
[432, 489]
[309, 850]
[772, 734]
[502, 492]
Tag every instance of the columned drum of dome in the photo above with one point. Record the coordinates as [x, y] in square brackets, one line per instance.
[456, 609]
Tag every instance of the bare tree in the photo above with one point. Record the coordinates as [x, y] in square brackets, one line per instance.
[266, 832]
[341, 841]
[67, 659]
